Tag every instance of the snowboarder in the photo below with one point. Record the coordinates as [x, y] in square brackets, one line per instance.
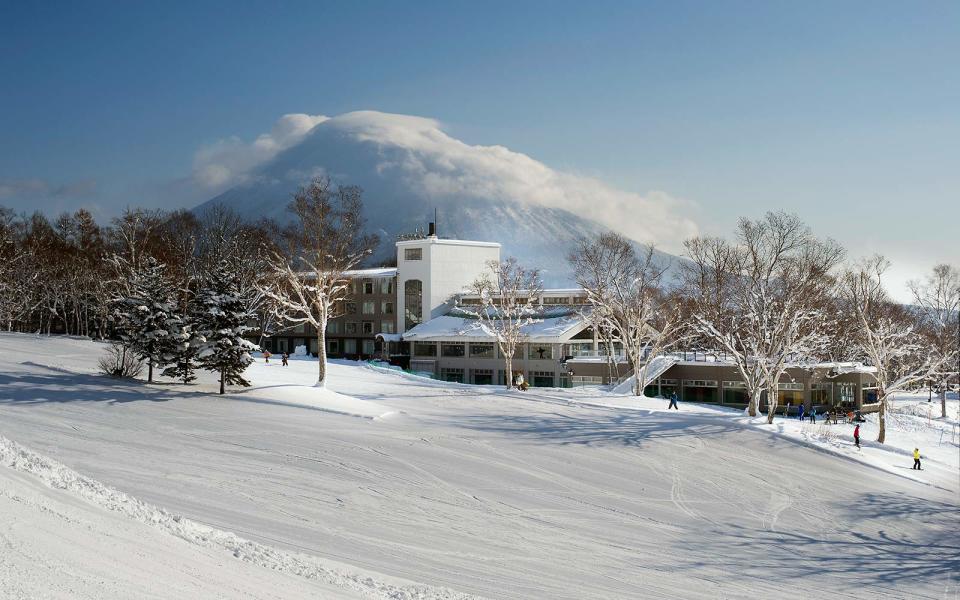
[916, 459]
[673, 402]
[266, 356]
[856, 435]
[800, 412]
[284, 358]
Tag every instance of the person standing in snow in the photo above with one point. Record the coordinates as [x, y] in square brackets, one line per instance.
[813, 416]
[856, 435]
[916, 459]
[800, 412]
[673, 402]
[266, 356]
[284, 358]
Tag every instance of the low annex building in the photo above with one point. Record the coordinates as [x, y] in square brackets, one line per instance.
[416, 315]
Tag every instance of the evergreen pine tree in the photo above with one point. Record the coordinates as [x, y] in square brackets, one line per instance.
[184, 363]
[222, 317]
[147, 318]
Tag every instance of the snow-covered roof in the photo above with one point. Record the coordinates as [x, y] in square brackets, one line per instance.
[390, 337]
[458, 329]
[378, 272]
[447, 242]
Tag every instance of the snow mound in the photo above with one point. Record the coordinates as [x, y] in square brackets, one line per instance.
[57, 476]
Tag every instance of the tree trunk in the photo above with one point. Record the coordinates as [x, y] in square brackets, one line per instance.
[223, 382]
[322, 354]
[149, 370]
[883, 419]
[772, 402]
[509, 360]
[754, 405]
[943, 400]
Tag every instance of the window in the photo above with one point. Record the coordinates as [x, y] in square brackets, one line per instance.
[368, 347]
[452, 375]
[413, 254]
[369, 308]
[556, 300]
[349, 346]
[451, 349]
[481, 350]
[699, 383]
[790, 386]
[482, 376]
[424, 349]
[734, 384]
[351, 307]
[386, 286]
[541, 378]
[386, 307]
[367, 287]
[388, 327]
[351, 328]
[413, 303]
[333, 346]
[333, 326]
[581, 349]
[541, 351]
[367, 327]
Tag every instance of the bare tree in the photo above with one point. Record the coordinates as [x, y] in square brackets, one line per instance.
[761, 300]
[888, 337]
[937, 300]
[326, 240]
[508, 303]
[623, 290]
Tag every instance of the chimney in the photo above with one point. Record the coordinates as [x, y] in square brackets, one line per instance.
[432, 229]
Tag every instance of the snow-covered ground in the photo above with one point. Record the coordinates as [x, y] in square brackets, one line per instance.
[389, 485]
[913, 422]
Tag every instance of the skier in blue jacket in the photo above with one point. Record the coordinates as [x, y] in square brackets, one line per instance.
[800, 413]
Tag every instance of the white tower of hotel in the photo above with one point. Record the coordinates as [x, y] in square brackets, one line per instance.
[430, 270]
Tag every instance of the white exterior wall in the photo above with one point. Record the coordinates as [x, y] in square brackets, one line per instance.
[447, 267]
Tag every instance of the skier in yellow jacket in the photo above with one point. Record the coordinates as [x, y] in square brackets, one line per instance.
[916, 459]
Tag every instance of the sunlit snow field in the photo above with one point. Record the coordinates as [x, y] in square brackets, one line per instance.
[390, 485]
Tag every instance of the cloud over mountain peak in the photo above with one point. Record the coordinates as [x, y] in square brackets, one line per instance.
[417, 154]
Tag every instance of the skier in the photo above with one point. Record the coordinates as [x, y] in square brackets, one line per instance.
[284, 358]
[673, 402]
[266, 356]
[856, 435]
[800, 412]
[916, 459]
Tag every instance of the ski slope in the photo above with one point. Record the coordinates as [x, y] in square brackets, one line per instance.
[427, 489]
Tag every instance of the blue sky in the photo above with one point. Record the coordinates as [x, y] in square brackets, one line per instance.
[844, 112]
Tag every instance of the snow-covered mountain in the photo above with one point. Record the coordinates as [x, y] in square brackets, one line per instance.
[408, 167]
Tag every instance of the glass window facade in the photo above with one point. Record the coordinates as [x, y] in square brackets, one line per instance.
[540, 351]
[424, 349]
[413, 254]
[482, 376]
[450, 349]
[482, 350]
[452, 375]
[413, 303]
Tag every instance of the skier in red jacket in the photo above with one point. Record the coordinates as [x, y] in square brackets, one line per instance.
[856, 435]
